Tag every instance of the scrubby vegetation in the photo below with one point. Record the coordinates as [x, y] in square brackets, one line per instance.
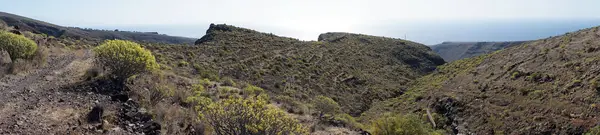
[352, 69]
[239, 81]
[124, 58]
[401, 125]
[594, 131]
[513, 89]
[250, 116]
[17, 46]
[326, 105]
[246, 112]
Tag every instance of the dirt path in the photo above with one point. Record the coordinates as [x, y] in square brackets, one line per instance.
[35, 102]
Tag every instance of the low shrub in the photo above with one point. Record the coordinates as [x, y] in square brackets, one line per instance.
[516, 75]
[593, 131]
[124, 58]
[238, 116]
[92, 73]
[326, 105]
[183, 63]
[252, 90]
[401, 125]
[347, 120]
[151, 88]
[204, 72]
[17, 46]
[248, 115]
[291, 104]
[228, 82]
[19, 66]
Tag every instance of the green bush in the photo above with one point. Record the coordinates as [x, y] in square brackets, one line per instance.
[251, 115]
[326, 105]
[228, 82]
[205, 72]
[347, 120]
[252, 90]
[290, 104]
[183, 63]
[516, 75]
[124, 58]
[401, 125]
[17, 46]
[593, 131]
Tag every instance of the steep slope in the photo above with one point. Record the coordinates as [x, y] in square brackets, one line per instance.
[352, 69]
[452, 51]
[547, 86]
[39, 27]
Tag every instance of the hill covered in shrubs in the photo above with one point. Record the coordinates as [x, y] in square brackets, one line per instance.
[87, 35]
[293, 86]
[546, 86]
[352, 69]
[239, 81]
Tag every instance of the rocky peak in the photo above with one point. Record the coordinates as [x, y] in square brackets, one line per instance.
[215, 29]
[331, 36]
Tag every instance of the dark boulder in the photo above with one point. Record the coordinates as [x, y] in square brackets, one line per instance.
[95, 115]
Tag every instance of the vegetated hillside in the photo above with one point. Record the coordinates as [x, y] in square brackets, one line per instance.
[547, 86]
[40, 27]
[452, 51]
[352, 69]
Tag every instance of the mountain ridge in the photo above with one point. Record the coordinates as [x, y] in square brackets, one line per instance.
[91, 35]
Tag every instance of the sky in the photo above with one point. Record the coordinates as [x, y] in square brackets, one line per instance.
[425, 21]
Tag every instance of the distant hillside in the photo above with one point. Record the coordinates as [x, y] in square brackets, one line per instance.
[547, 86]
[39, 27]
[353, 69]
[452, 51]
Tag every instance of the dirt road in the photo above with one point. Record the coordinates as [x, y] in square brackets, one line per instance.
[41, 101]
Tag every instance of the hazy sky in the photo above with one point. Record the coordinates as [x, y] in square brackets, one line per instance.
[305, 19]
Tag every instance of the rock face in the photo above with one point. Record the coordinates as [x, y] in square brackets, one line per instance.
[452, 51]
[332, 36]
[217, 32]
[547, 86]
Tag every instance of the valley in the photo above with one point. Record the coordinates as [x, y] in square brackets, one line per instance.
[260, 83]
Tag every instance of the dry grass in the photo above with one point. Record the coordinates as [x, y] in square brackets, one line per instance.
[164, 95]
[177, 120]
[24, 65]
